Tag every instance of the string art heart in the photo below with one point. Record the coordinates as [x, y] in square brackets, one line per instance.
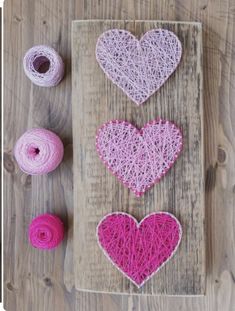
[138, 67]
[139, 158]
[139, 250]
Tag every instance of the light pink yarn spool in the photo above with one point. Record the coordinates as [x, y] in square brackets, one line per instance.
[43, 66]
[38, 151]
[46, 231]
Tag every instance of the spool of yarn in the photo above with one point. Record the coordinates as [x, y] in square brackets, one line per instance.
[43, 66]
[38, 151]
[46, 231]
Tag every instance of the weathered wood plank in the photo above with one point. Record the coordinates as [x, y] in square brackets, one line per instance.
[96, 192]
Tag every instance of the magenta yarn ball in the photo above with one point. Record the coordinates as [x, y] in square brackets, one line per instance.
[38, 151]
[46, 231]
[43, 66]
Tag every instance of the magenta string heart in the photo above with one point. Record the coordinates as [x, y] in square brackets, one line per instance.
[139, 250]
[138, 67]
[139, 158]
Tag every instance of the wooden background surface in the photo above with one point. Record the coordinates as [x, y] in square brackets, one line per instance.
[97, 192]
[44, 281]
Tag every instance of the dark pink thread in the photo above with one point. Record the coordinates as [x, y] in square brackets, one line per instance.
[139, 250]
[138, 67]
[46, 231]
[139, 158]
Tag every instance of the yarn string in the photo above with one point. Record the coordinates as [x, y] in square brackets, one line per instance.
[38, 151]
[43, 66]
[46, 231]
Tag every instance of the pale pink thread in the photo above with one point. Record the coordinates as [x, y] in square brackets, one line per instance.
[38, 151]
[139, 158]
[138, 67]
[43, 66]
[46, 231]
[139, 250]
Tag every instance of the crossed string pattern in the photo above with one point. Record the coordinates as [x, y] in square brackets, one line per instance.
[39, 56]
[139, 158]
[139, 250]
[38, 151]
[46, 231]
[138, 67]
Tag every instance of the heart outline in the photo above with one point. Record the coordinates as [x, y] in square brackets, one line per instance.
[139, 132]
[138, 224]
[138, 43]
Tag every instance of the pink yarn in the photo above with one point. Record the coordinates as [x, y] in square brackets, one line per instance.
[43, 66]
[46, 231]
[139, 158]
[38, 151]
[139, 250]
[138, 67]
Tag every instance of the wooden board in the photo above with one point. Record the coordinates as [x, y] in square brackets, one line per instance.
[96, 192]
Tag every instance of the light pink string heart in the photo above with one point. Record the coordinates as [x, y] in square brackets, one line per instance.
[139, 158]
[139, 250]
[138, 67]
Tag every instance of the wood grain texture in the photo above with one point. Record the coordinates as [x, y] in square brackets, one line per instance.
[31, 22]
[96, 100]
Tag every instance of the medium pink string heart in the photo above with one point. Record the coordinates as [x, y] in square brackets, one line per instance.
[138, 67]
[139, 250]
[139, 158]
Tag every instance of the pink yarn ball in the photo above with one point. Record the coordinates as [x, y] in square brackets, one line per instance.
[46, 231]
[43, 66]
[38, 151]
